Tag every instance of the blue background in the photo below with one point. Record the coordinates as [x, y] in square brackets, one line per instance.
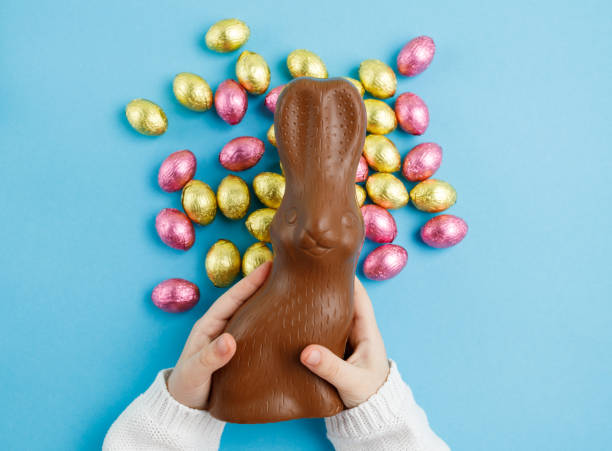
[505, 339]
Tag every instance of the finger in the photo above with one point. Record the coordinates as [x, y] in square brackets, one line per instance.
[330, 367]
[364, 321]
[199, 368]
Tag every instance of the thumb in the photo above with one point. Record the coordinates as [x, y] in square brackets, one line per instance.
[330, 367]
[210, 358]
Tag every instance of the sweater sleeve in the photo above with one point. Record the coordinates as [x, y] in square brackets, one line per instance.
[156, 421]
[389, 420]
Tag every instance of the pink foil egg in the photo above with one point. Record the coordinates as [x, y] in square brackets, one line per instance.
[175, 295]
[385, 262]
[231, 102]
[416, 56]
[176, 170]
[444, 231]
[241, 153]
[272, 97]
[379, 225]
[175, 229]
[412, 113]
[362, 170]
[422, 162]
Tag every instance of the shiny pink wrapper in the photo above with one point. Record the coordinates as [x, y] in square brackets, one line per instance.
[272, 97]
[362, 170]
[385, 262]
[175, 295]
[444, 231]
[422, 162]
[416, 56]
[379, 225]
[412, 113]
[241, 153]
[175, 229]
[176, 170]
[231, 102]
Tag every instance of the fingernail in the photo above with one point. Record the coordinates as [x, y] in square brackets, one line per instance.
[221, 345]
[313, 358]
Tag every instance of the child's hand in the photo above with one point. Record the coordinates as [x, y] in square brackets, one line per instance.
[366, 370]
[207, 349]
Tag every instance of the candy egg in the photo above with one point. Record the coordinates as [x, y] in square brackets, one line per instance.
[357, 84]
[385, 262]
[176, 170]
[415, 56]
[304, 63]
[422, 162]
[192, 91]
[199, 202]
[146, 117]
[360, 195]
[175, 229]
[412, 113]
[381, 118]
[253, 72]
[433, 196]
[227, 35]
[258, 223]
[378, 223]
[255, 256]
[269, 188]
[233, 197]
[362, 170]
[222, 263]
[444, 231]
[272, 97]
[175, 295]
[377, 78]
[231, 102]
[271, 135]
[241, 153]
[381, 154]
[387, 190]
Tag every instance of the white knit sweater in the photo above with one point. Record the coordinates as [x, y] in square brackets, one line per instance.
[389, 420]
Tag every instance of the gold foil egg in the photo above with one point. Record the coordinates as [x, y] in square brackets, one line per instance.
[227, 35]
[269, 188]
[304, 63]
[233, 197]
[255, 256]
[271, 136]
[381, 154]
[357, 84]
[222, 263]
[433, 195]
[199, 202]
[258, 223]
[360, 195]
[146, 117]
[192, 91]
[253, 72]
[381, 117]
[386, 190]
[377, 78]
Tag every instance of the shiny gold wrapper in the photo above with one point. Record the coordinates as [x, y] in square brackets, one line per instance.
[386, 190]
[222, 263]
[258, 223]
[269, 188]
[199, 202]
[381, 154]
[357, 84]
[227, 35]
[233, 197]
[146, 117]
[253, 72]
[360, 195]
[304, 63]
[381, 117]
[377, 78]
[271, 136]
[255, 256]
[192, 91]
[433, 195]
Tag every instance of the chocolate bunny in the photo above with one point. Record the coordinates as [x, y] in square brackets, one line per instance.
[316, 234]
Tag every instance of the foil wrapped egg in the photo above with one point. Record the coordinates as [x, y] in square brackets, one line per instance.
[227, 35]
[199, 202]
[192, 91]
[272, 97]
[357, 84]
[233, 197]
[176, 170]
[362, 170]
[271, 135]
[175, 295]
[146, 117]
[433, 196]
[380, 117]
[416, 56]
[412, 113]
[422, 162]
[269, 188]
[255, 256]
[381, 154]
[253, 72]
[444, 231]
[386, 190]
[304, 63]
[231, 102]
[175, 229]
[222, 263]
[241, 153]
[377, 78]
[385, 262]
[258, 223]
[360, 195]
[378, 223]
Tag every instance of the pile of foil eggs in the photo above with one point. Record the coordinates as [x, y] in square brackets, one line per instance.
[232, 197]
